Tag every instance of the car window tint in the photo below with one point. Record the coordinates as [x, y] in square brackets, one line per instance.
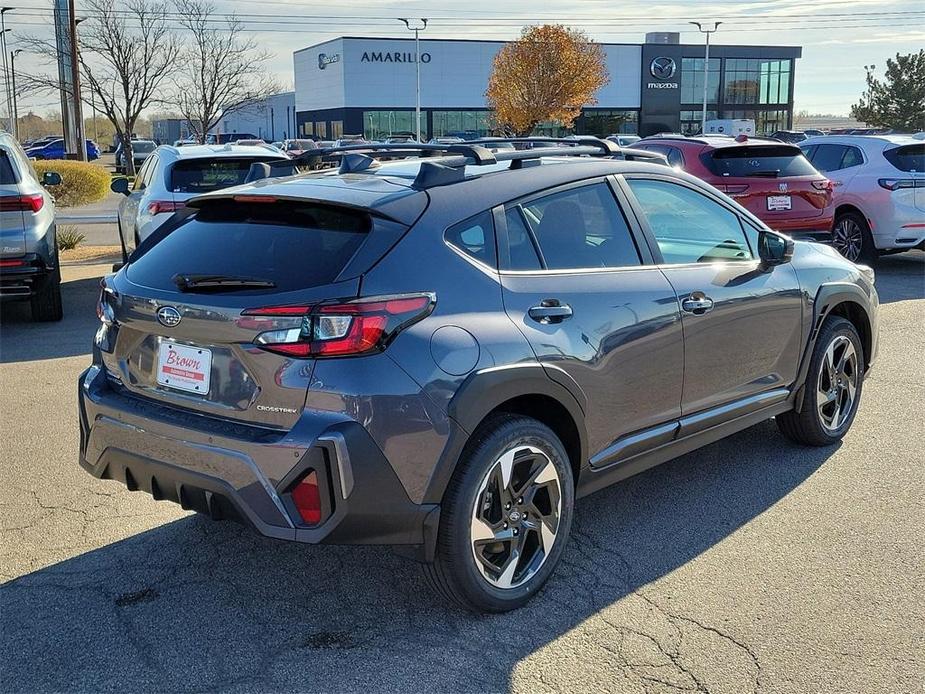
[907, 157]
[149, 174]
[853, 157]
[581, 228]
[204, 175]
[521, 251]
[140, 175]
[7, 174]
[809, 151]
[675, 158]
[829, 157]
[688, 226]
[758, 160]
[475, 237]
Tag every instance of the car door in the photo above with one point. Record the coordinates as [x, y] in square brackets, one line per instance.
[840, 163]
[742, 321]
[595, 310]
[129, 207]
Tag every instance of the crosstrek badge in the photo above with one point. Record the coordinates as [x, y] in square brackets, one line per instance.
[184, 368]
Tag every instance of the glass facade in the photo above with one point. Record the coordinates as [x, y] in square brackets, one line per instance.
[692, 80]
[754, 81]
[766, 121]
[381, 124]
[461, 123]
[691, 120]
[604, 122]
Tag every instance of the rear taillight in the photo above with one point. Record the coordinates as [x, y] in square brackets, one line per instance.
[22, 203]
[341, 329]
[307, 499]
[162, 206]
[897, 183]
[12, 262]
[825, 185]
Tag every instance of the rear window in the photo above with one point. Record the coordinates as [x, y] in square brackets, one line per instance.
[204, 175]
[907, 157]
[759, 160]
[7, 174]
[143, 147]
[295, 245]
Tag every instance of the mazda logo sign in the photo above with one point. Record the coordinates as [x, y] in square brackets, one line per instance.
[168, 315]
[663, 68]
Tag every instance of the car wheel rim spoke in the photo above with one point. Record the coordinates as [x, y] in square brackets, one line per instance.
[836, 388]
[515, 517]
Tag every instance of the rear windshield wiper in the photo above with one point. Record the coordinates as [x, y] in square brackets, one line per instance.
[190, 283]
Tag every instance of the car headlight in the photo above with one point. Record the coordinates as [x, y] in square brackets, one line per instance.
[868, 272]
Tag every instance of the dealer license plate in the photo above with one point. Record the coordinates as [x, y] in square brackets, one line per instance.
[779, 202]
[183, 367]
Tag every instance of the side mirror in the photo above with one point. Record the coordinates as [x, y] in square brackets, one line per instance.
[119, 185]
[51, 178]
[774, 249]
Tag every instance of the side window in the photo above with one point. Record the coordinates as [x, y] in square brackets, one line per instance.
[675, 158]
[521, 251]
[581, 228]
[809, 151]
[474, 237]
[141, 175]
[828, 157]
[688, 226]
[853, 157]
[152, 167]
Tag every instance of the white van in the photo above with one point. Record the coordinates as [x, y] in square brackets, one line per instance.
[731, 126]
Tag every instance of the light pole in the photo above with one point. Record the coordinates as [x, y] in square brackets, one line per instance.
[6, 66]
[13, 55]
[417, 66]
[706, 70]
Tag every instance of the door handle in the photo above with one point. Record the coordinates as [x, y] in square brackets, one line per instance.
[550, 311]
[697, 303]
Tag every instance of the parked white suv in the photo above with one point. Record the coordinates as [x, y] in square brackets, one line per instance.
[879, 191]
[172, 175]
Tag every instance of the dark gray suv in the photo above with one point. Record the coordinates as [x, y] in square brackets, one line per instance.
[443, 352]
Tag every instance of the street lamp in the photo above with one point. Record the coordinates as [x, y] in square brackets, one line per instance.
[706, 70]
[13, 55]
[417, 65]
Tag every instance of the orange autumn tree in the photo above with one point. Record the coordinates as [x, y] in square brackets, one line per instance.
[547, 74]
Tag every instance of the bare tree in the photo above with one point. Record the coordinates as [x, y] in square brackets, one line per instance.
[127, 54]
[223, 69]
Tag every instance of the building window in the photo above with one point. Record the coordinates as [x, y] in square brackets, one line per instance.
[466, 124]
[602, 122]
[692, 81]
[766, 122]
[337, 129]
[691, 120]
[754, 81]
[378, 125]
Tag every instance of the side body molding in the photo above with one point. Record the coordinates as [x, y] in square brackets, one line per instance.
[483, 391]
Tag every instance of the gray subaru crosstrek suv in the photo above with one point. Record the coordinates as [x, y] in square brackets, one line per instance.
[29, 268]
[443, 352]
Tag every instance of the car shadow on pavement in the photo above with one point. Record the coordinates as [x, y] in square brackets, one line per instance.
[197, 605]
[901, 277]
[22, 339]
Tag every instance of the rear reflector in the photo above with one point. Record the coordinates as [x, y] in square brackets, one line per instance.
[22, 203]
[12, 262]
[307, 499]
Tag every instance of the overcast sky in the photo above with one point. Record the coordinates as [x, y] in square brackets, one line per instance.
[839, 37]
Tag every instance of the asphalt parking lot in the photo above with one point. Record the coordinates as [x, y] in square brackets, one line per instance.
[750, 565]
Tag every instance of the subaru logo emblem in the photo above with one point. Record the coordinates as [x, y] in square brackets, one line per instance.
[663, 68]
[168, 315]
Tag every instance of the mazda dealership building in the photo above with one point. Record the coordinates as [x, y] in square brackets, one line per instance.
[356, 85]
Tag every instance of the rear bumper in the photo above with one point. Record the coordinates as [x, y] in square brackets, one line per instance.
[26, 280]
[243, 473]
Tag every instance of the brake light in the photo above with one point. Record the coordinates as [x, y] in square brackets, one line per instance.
[825, 185]
[307, 499]
[22, 203]
[341, 329]
[254, 198]
[897, 183]
[14, 262]
[162, 206]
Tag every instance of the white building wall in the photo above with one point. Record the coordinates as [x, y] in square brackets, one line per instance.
[455, 77]
[271, 119]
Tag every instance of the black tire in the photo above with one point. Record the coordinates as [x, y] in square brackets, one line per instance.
[455, 573]
[46, 305]
[852, 238]
[808, 427]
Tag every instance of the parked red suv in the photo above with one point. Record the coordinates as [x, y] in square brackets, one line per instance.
[773, 180]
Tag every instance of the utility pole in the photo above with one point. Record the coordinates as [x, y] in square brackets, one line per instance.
[706, 70]
[6, 66]
[75, 84]
[417, 65]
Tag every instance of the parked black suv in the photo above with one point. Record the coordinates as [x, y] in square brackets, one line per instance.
[444, 352]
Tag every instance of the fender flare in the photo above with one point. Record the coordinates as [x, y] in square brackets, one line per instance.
[486, 389]
[827, 297]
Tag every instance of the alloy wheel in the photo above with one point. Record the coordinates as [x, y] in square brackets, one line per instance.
[848, 238]
[515, 518]
[838, 383]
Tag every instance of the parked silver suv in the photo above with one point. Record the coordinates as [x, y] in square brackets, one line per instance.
[28, 251]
